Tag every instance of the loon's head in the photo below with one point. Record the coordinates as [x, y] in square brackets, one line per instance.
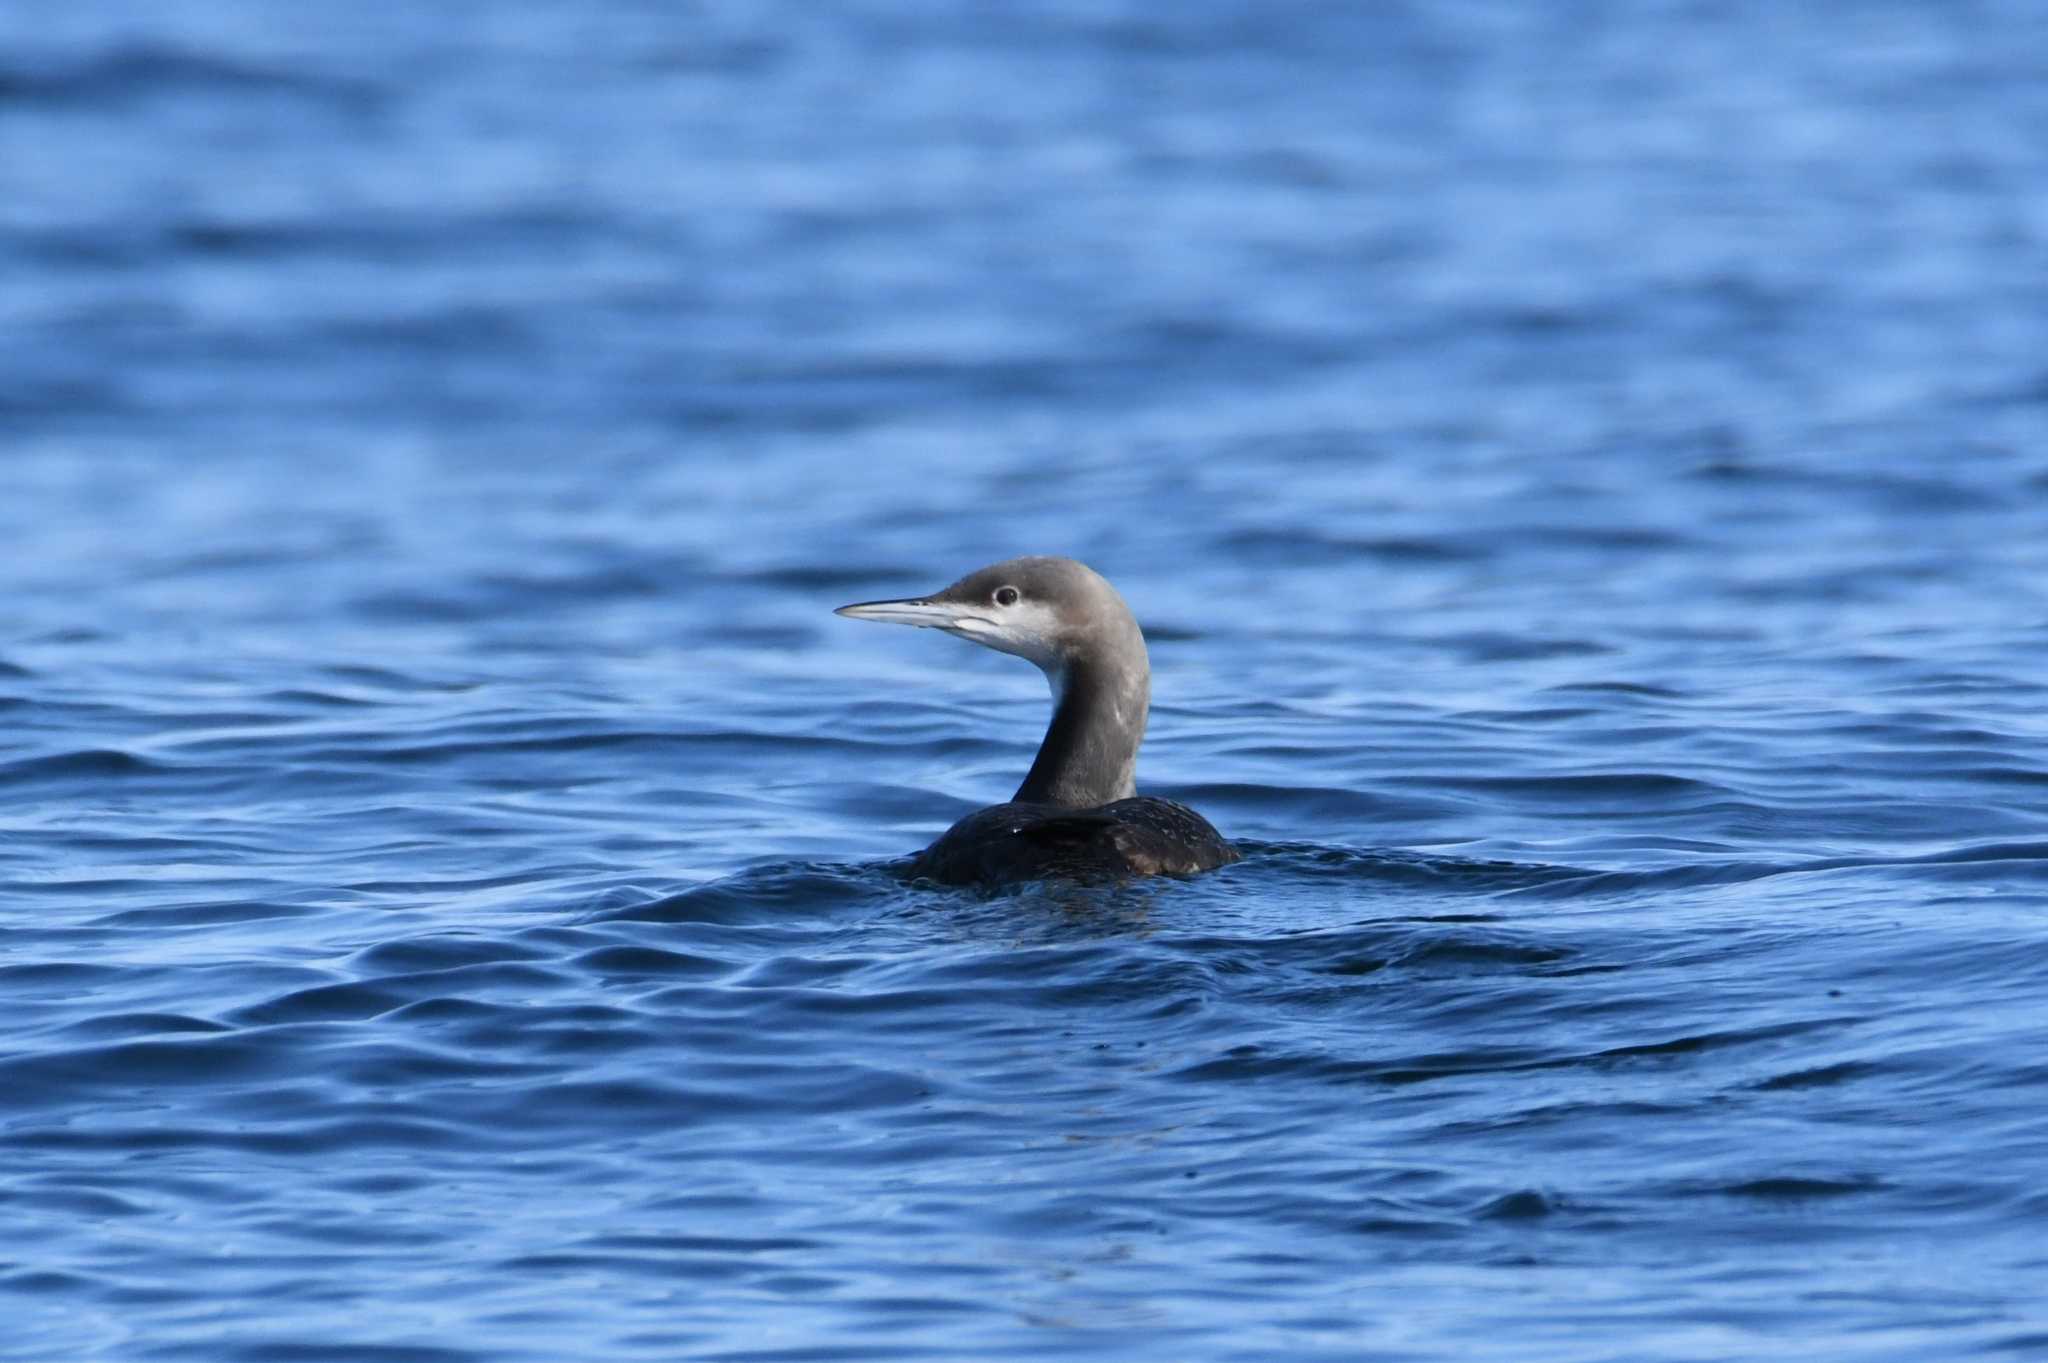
[1053, 611]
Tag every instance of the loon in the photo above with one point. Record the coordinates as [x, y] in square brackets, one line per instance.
[1078, 814]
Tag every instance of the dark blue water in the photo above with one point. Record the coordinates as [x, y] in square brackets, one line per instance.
[1584, 473]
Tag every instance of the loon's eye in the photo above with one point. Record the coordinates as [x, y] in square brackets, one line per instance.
[1006, 596]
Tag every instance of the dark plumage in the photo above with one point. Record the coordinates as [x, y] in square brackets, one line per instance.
[1141, 836]
[1077, 815]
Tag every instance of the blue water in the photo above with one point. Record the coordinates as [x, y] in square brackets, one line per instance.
[1584, 473]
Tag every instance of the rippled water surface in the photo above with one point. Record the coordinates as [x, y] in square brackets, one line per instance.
[1584, 474]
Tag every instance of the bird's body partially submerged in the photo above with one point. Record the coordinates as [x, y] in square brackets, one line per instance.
[1141, 836]
[1078, 813]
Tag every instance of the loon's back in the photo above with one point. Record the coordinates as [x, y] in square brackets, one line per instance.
[1142, 835]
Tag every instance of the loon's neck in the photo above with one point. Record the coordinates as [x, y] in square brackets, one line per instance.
[1090, 753]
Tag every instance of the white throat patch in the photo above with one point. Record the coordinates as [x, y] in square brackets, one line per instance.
[1027, 630]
